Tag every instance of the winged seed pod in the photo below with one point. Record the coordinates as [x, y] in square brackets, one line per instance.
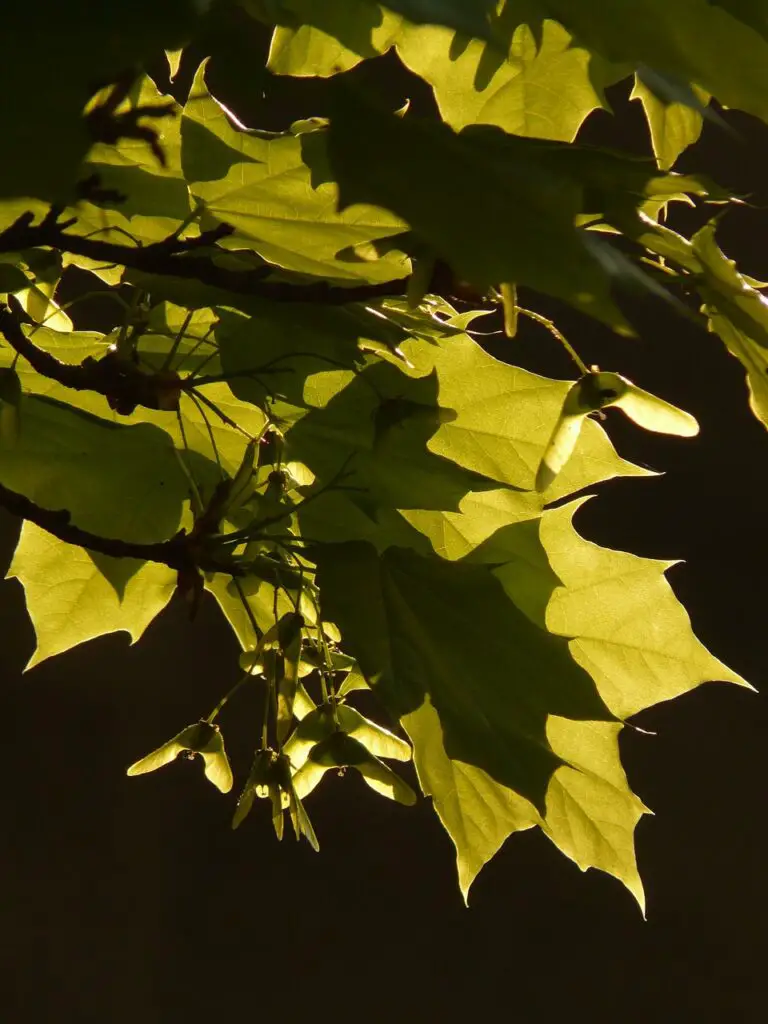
[596, 391]
[327, 719]
[202, 738]
[270, 778]
[342, 751]
[263, 782]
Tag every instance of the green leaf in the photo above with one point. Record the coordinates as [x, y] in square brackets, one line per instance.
[151, 199]
[292, 357]
[696, 40]
[58, 52]
[481, 435]
[118, 482]
[380, 469]
[526, 198]
[12, 278]
[412, 465]
[371, 467]
[43, 273]
[122, 482]
[404, 618]
[752, 12]
[544, 87]
[201, 430]
[519, 225]
[262, 186]
[325, 39]
[493, 526]
[628, 630]
[591, 812]
[673, 125]
[477, 812]
[73, 596]
[738, 313]
[174, 62]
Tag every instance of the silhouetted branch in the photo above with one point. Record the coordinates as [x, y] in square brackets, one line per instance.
[171, 257]
[104, 124]
[185, 553]
[123, 384]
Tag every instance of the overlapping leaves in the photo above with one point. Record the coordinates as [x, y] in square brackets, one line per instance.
[527, 198]
[374, 481]
[263, 186]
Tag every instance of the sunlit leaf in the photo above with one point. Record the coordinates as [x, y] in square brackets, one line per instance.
[673, 125]
[701, 42]
[738, 313]
[545, 88]
[263, 186]
[324, 442]
[73, 596]
[402, 616]
[325, 39]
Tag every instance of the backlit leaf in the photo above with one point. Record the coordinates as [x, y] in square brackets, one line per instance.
[738, 313]
[673, 125]
[545, 88]
[73, 596]
[262, 186]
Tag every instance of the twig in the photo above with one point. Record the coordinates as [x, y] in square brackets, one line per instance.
[558, 335]
[104, 124]
[251, 531]
[183, 552]
[122, 383]
[171, 258]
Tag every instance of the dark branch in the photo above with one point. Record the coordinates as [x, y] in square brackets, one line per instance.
[104, 124]
[184, 552]
[172, 258]
[123, 384]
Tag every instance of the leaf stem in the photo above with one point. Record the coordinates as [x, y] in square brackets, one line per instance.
[177, 340]
[222, 415]
[558, 335]
[197, 501]
[198, 405]
[227, 696]
[247, 608]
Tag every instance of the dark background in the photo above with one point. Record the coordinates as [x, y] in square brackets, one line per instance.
[129, 900]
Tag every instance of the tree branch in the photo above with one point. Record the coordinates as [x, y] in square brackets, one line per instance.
[171, 258]
[123, 384]
[184, 552]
